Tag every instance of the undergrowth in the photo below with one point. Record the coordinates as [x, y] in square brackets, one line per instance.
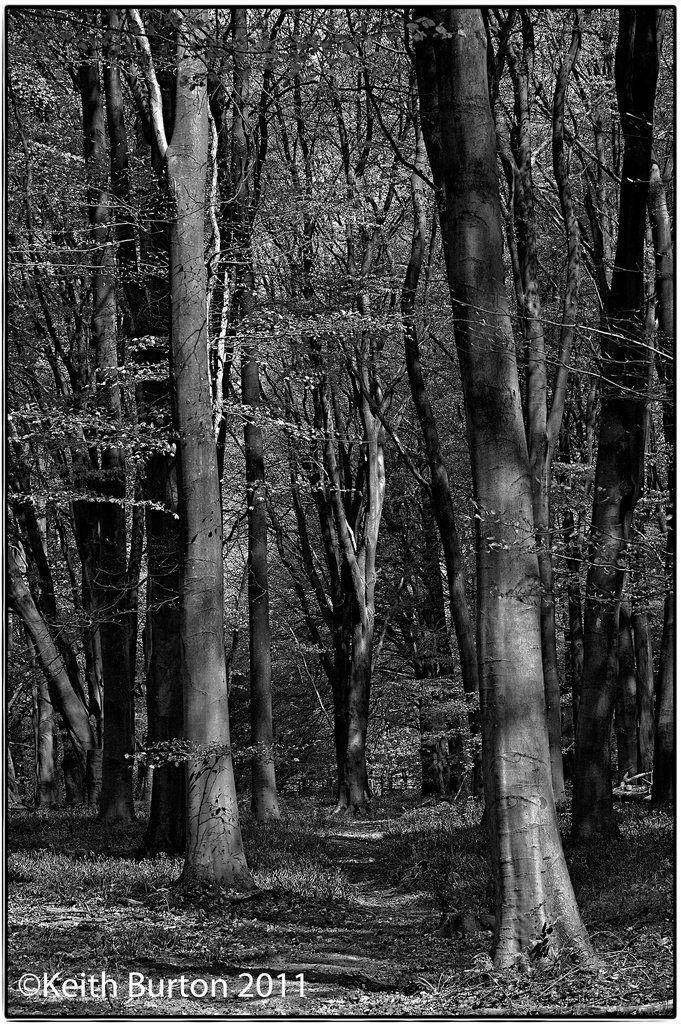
[76, 895]
[440, 850]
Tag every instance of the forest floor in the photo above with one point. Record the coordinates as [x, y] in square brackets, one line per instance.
[354, 906]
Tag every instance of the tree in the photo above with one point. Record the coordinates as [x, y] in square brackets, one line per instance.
[544, 419]
[619, 462]
[214, 851]
[103, 523]
[246, 174]
[443, 505]
[62, 696]
[533, 888]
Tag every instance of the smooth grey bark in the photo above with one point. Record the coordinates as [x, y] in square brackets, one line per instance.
[214, 850]
[544, 419]
[531, 878]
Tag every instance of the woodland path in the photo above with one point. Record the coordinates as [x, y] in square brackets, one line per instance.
[372, 951]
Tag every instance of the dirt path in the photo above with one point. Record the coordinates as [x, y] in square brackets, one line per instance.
[77, 905]
[371, 948]
[363, 952]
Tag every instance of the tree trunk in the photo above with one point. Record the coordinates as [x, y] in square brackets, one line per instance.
[542, 430]
[626, 703]
[264, 787]
[46, 785]
[214, 851]
[645, 688]
[445, 735]
[340, 686]
[166, 828]
[358, 715]
[109, 568]
[443, 505]
[62, 695]
[574, 596]
[263, 780]
[13, 795]
[619, 463]
[533, 888]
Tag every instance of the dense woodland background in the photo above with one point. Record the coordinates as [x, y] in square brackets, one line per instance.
[231, 272]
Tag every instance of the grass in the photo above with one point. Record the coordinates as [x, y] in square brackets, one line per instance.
[357, 903]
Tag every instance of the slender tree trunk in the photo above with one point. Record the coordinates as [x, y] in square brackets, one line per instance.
[214, 850]
[109, 569]
[47, 787]
[575, 627]
[645, 688]
[358, 714]
[62, 695]
[532, 884]
[619, 463]
[166, 828]
[445, 736]
[43, 588]
[340, 685]
[13, 796]
[264, 787]
[442, 498]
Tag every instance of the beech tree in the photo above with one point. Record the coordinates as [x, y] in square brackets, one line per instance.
[531, 879]
[214, 851]
[544, 420]
[226, 282]
[102, 525]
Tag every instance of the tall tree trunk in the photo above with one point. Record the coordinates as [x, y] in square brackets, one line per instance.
[264, 787]
[517, 160]
[532, 884]
[619, 463]
[263, 780]
[109, 569]
[214, 850]
[442, 498]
